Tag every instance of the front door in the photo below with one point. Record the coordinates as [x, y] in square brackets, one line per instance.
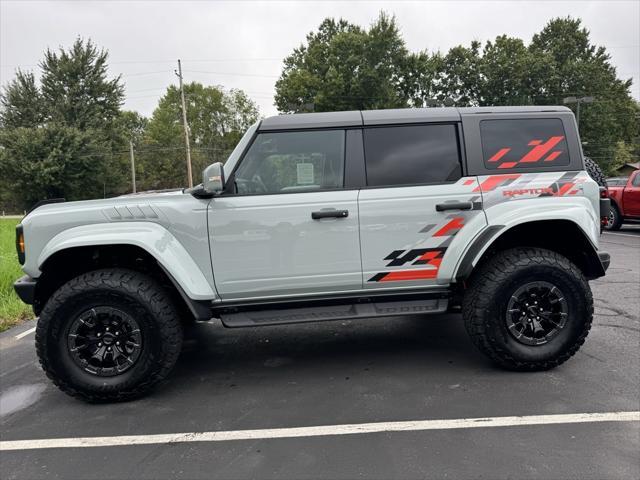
[631, 199]
[289, 227]
[415, 205]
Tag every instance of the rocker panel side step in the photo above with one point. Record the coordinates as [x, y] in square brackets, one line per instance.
[254, 318]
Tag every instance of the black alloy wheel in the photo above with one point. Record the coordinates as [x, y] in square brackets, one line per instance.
[536, 313]
[104, 341]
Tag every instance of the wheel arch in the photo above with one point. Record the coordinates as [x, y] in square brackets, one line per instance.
[143, 247]
[615, 204]
[568, 239]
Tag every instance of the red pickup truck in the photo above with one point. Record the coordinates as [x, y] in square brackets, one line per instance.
[625, 202]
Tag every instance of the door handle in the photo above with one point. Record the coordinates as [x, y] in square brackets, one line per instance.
[441, 207]
[330, 214]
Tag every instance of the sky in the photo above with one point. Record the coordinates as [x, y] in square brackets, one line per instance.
[241, 44]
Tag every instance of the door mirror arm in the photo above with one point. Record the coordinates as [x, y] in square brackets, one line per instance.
[198, 191]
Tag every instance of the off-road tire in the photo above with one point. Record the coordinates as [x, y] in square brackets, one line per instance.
[614, 221]
[492, 286]
[132, 292]
[595, 172]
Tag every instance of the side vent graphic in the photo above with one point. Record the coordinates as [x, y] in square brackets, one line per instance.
[130, 212]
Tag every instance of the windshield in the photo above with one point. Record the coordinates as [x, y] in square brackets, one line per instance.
[230, 164]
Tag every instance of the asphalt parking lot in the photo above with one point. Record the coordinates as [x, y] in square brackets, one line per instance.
[336, 373]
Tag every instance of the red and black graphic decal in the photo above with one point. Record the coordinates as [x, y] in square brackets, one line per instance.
[404, 275]
[451, 228]
[520, 143]
[526, 185]
[538, 151]
[494, 181]
[420, 256]
[428, 258]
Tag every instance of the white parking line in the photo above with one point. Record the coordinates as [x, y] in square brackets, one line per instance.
[25, 333]
[622, 234]
[319, 431]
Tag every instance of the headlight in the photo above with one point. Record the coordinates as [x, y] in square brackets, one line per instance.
[20, 244]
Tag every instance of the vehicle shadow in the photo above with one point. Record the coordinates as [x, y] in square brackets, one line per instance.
[395, 343]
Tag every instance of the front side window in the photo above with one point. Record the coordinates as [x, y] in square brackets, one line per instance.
[284, 162]
[523, 143]
[411, 155]
[636, 181]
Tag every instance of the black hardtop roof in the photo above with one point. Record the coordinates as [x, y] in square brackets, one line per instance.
[357, 118]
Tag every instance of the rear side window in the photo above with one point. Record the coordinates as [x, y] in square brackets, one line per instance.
[636, 180]
[411, 155]
[525, 143]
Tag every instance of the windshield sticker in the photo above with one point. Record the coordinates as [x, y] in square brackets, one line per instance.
[305, 174]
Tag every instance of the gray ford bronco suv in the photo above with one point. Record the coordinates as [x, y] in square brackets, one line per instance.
[328, 216]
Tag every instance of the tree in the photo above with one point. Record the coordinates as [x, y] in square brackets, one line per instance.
[217, 121]
[52, 162]
[510, 74]
[21, 103]
[578, 68]
[344, 67]
[63, 138]
[622, 154]
[459, 76]
[75, 88]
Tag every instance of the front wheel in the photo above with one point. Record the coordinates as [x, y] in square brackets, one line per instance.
[614, 219]
[108, 335]
[528, 309]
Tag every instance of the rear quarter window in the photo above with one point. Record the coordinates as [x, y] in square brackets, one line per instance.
[411, 155]
[523, 143]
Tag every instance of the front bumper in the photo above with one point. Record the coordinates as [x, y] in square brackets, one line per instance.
[25, 287]
[605, 259]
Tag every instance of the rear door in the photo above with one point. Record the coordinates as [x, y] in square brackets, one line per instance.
[418, 211]
[289, 227]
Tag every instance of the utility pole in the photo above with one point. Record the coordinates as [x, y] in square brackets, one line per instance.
[133, 166]
[185, 125]
[577, 101]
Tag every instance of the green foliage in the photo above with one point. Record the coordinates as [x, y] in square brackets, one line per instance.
[75, 88]
[511, 74]
[578, 68]
[64, 133]
[622, 154]
[344, 67]
[12, 310]
[50, 162]
[132, 126]
[21, 103]
[60, 139]
[217, 120]
[459, 76]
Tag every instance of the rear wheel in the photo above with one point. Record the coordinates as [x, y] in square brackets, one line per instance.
[108, 335]
[528, 309]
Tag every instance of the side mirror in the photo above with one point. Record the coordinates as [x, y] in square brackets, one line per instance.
[213, 178]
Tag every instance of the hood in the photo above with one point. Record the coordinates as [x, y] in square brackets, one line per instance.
[61, 206]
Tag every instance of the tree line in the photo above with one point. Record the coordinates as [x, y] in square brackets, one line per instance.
[343, 66]
[65, 134]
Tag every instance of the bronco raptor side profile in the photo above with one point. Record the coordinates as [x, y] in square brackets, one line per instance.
[328, 216]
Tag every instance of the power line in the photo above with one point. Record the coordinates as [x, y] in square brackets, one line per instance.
[129, 62]
[233, 74]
